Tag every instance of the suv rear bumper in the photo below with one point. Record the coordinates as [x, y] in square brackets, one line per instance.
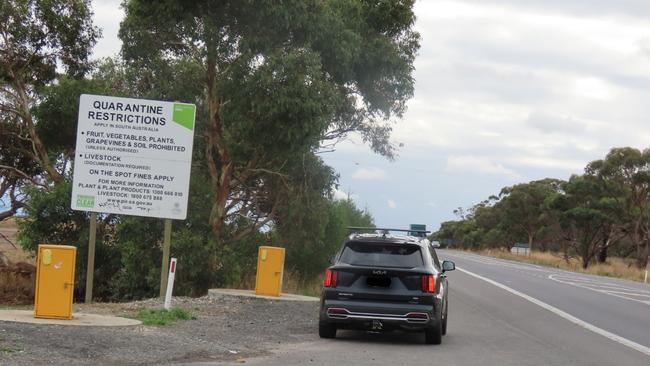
[364, 315]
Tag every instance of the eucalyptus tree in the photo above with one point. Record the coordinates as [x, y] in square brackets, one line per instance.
[36, 38]
[589, 216]
[625, 173]
[279, 79]
[523, 207]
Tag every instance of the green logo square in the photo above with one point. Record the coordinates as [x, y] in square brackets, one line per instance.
[183, 114]
[85, 201]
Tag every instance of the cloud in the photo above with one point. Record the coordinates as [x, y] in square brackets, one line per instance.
[479, 165]
[340, 195]
[369, 174]
[108, 15]
[627, 8]
[391, 204]
[549, 123]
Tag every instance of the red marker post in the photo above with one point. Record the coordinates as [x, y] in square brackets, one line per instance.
[170, 284]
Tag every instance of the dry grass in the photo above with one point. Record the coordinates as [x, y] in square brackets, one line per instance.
[9, 242]
[614, 267]
[16, 288]
[16, 272]
[293, 284]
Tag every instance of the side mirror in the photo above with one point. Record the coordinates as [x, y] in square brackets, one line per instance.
[435, 244]
[448, 266]
[332, 259]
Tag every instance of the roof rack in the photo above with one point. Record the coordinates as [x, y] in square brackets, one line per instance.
[415, 233]
[385, 230]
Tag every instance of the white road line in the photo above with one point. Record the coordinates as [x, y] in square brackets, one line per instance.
[605, 289]
[627, 293]
[616, 338]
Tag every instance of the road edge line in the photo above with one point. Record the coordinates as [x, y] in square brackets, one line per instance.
[616, 338]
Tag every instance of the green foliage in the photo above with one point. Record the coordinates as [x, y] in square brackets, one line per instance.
[139, 241]
[161, 317]
[523, 207]
[624, 174]
[308, 222]
[58, 110]
[49, 220]
[9, 350]
[41, 33]
[317, 235]
[277, 80]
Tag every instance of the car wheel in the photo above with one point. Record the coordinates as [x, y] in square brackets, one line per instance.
[433, 335]
[444, 321]
[326, 330]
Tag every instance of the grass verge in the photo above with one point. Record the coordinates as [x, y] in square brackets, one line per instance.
[613, 267]
[161, 317]
[8, 350]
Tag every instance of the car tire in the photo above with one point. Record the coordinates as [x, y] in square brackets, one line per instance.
[433, 335]
[444, 321]
[326, 330]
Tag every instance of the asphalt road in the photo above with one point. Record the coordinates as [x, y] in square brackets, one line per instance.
[601, 321]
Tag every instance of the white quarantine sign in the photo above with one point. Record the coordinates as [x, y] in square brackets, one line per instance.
[133, 156]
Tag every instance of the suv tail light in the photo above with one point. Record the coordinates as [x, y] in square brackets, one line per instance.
[429, 284]
[331, 278]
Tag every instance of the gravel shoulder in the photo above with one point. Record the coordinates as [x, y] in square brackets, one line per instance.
[226, 328]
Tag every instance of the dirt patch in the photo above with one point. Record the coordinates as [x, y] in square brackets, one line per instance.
[227, 328]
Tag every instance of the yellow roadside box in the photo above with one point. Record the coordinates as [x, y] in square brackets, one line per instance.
[270, 268]
[55, 266]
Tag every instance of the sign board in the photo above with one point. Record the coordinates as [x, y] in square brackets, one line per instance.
[418, 227]
[133, 156]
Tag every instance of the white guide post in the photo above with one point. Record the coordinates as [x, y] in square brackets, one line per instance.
[170, 284]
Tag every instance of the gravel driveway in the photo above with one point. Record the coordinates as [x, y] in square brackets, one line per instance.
[227, 328]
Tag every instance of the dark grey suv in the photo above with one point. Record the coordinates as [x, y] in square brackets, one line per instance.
[384, 282]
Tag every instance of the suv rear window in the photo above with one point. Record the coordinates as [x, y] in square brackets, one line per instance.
[382, 255]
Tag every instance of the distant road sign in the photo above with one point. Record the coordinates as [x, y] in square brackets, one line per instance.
[133, 156]
[416, 228]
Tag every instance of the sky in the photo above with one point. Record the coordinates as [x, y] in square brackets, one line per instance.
[507, 91]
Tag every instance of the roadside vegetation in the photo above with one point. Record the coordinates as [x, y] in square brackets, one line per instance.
[161, 317]
[276, 85]
[8, 349]
[588, 219]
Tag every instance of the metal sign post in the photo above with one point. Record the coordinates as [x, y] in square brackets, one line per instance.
[90, 268]
[167, 239]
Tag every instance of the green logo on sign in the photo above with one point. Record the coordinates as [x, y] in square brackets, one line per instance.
[85, 201]
[184, 115]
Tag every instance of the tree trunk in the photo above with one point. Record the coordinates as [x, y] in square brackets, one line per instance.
[642, 256]
[39, 148]
[565, 251]
[220, 165]
[531, 236]
[218, 214]
[585, 255]
[641, 246]
[602, 255]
